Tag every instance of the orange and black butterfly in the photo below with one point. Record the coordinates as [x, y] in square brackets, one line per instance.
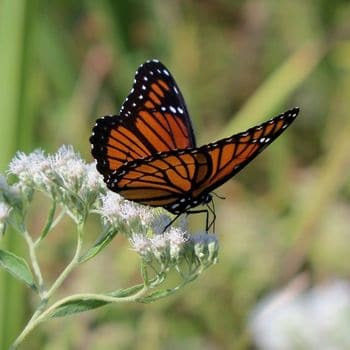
[148, 152]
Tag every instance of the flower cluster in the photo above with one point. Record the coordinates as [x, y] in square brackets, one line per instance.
[151, 237]
[115, 210]
[77, 186]
[64, 176]
[165, 247]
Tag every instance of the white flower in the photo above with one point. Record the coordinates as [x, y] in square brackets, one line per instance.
[314, 319]
[115, 208]
[68, 167]
[176, 238]
[146, 215]
[158, 242]
[141, 244]
[32, 169]
[94, 180]
[128, 210]
[110, 208]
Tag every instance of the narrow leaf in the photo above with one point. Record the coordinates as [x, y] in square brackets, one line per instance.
[102, 241]
[76, 306]
[121, 293]
[17, 267]
[85, 304]
[157, 295]
[49, 221]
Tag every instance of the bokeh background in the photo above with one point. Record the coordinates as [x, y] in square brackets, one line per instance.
[285, 218]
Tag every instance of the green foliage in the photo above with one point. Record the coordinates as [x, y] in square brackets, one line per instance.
[17, 267]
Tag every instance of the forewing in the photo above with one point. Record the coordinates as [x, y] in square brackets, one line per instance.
[162, 116]
[153, 119]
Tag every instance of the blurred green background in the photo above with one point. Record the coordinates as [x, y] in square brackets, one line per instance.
[64, 63]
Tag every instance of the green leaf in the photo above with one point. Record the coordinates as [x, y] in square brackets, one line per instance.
[102, 241]
[121, 293]
[17, 267]
[50, 217]
[76, 306]
[85, 304]
[157, 295]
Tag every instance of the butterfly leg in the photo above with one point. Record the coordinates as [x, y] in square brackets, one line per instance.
[171, 222]
[207, 226]
[212, 210]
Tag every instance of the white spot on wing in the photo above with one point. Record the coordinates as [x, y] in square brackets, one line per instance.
[172, 109]
[165, 72]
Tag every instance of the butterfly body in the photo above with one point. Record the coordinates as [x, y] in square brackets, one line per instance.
[148, 153]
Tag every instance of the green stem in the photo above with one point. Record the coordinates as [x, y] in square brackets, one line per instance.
[40, 316]
[34, 262]
[37, 316]
[92, 296]
[74, 262]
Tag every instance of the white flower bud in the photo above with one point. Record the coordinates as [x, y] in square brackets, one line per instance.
[205, 248]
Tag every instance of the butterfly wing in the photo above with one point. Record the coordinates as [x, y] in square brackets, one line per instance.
[230, 155]
[161, 180]
[180, 179]
[153, 119]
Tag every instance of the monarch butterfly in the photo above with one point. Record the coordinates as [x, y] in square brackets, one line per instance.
[148, 152]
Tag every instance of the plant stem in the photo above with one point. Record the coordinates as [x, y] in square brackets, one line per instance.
[34, 262]
[40, 316]
[71, 265]
[36, 318]
[91, 296]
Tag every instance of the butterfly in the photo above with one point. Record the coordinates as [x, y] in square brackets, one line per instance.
[148, 152]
